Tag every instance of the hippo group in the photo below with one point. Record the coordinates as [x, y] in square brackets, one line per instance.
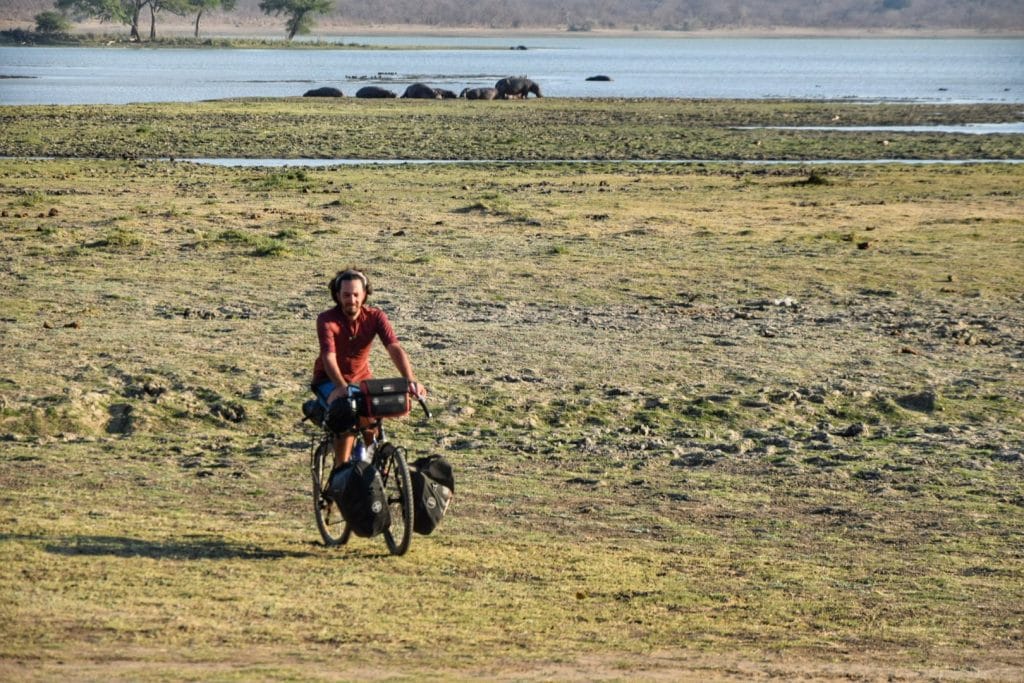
[510, 88]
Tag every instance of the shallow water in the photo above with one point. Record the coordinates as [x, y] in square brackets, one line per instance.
[967, 128]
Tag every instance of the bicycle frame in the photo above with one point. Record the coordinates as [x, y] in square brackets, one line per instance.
[394, 473]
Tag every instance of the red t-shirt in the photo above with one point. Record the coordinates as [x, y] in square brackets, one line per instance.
[350, 341]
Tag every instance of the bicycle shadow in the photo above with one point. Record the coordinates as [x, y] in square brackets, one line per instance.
[199, 548]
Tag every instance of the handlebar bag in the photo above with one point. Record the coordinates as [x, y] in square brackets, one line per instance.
[433, 485]
[385, 397]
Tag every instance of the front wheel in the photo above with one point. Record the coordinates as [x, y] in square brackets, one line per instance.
[398, 491]
[329, 521]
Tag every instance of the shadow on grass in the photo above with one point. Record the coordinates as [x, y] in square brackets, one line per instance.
[171, 549]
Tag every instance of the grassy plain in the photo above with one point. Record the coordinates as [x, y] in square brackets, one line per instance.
[708, 420]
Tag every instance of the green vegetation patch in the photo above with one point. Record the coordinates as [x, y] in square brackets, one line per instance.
[549, 129]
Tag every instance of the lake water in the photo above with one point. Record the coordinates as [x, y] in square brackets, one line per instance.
[904, 70]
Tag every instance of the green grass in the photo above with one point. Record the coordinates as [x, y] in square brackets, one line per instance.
[120, 238]
[30, 200]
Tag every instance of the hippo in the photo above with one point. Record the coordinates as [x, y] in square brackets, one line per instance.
[600, 77]
[323, 92]
[374, 91]
[445, 94]
[479, 93]
[421, 91]
[516, 88]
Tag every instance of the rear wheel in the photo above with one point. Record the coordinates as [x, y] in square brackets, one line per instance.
[329, 521]
[398, 491]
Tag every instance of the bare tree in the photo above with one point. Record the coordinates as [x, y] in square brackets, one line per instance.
[179, 7]
[200, 6]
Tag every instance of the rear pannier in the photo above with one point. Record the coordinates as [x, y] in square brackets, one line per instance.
[433, 485]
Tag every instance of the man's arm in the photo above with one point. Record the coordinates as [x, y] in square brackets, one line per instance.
[334, 373]
[401, 360]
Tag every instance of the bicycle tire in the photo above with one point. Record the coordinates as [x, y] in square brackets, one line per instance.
[398, 491]
[329, 522]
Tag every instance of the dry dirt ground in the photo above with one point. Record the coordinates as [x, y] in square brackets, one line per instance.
[711, 422]
[657, 667]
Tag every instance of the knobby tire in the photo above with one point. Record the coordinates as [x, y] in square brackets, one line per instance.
[333, 529]
[398, 490]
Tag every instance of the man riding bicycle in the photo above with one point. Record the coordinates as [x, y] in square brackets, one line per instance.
[346, 333]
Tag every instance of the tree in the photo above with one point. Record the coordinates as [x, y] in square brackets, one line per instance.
[300, 13]
[179, 7]
[52, 22]
[123, 11]
[200, 6]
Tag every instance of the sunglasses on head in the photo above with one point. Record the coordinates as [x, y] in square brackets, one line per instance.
[348, 275]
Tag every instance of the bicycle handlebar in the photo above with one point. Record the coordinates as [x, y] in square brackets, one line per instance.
[357, 394]
[423, 404]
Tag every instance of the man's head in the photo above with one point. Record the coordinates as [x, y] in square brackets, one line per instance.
[349, 289]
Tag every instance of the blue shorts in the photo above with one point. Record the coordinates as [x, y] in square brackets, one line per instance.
[322, 391]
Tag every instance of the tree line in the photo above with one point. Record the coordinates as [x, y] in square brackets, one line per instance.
[301, 16]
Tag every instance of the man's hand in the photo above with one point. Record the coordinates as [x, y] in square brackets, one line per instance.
[338, 392]
[417, 390]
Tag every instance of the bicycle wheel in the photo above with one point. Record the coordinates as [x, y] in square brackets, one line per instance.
[329, 521]
[398, 490]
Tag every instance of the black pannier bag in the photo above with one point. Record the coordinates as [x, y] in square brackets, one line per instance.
[313, 411]
[337, 481]
[359, 492]
[433, 485]
[385, 397]
[342, 414]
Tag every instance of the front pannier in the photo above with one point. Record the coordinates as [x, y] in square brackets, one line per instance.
[359, 492]
[314, 411]
[433, 485]
[342, 414]
[385, 397]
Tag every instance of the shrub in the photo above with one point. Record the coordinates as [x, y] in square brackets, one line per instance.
[51, 22]
[120, 238]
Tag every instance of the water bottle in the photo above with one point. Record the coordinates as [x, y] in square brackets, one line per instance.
[358, 451]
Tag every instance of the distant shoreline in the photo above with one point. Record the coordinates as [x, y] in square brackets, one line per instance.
[219, 27]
